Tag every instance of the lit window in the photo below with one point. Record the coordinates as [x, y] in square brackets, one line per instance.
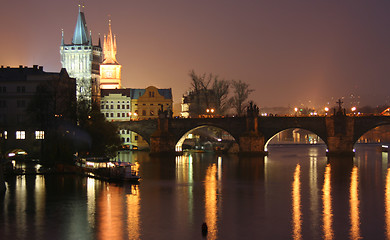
[20, 135]
[5, 134]
[39, 134]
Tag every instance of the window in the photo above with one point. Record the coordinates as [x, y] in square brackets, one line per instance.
[119, 107]
[151, 113]
[5, 134]
[107, 114]
[127, 139]
[20, 135]
[107, 106]
[123, 115]
[111, 114]
[3, 89]
[20, 89]
[128, 107]
[20, 103]
[123, 139]
[143, 113]
[123, 106]
[39, 135]
[102, 107]
[118, 115]
[3, 103]
[136, 137]
[112, 106]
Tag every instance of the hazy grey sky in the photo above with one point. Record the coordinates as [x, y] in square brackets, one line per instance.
[290, 52]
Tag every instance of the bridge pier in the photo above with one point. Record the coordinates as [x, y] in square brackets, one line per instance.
[340, 140]
[252, 142]
[162, 141]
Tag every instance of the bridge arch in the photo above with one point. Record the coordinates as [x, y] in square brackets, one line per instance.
[224, 135]
[295, 134]
[363, 131]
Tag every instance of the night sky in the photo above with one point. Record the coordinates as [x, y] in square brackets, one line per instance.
[290, 52]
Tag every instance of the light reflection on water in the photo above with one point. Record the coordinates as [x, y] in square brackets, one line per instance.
[294, 193]
[327, 213]
[296, 204]
[354, 205]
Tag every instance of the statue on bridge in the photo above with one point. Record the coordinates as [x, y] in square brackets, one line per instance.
[340, 110]
[252, 110]
[165, 113]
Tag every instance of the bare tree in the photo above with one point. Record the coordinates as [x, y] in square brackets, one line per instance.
[205, 96]
[220, 89]
[241, 93]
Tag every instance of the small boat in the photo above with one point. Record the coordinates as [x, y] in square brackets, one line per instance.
[105, 169]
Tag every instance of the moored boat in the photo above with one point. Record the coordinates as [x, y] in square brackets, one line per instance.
[105, 169]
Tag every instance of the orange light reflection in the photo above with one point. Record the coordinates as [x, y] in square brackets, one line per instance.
[110, 209]
[211, 201]
[327, 205]
[296, 204]
[387, 203]
[133, 210]
[354, 205]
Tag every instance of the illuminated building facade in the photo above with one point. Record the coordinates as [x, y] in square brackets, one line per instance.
[134, 104]
[82, 59]
[110, 69]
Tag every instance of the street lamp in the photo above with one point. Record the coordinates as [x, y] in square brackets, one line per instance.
[353, 109]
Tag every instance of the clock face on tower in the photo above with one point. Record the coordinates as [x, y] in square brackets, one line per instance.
[109, 74]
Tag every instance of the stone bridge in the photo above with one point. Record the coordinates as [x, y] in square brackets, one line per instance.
[339, 132]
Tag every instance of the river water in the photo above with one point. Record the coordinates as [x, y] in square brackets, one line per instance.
[293, 193]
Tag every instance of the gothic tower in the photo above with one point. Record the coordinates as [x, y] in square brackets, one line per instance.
[81, 60]
[110, 69]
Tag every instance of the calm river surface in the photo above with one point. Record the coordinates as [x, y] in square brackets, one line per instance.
[294, 193]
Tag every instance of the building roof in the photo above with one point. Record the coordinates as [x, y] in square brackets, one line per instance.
[124, 91]
[24, 73]
[166, 93]
[80, 36]
[135, 93]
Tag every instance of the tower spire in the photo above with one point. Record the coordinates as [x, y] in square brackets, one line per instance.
[109, 47]
[80, 36]
[62, 37]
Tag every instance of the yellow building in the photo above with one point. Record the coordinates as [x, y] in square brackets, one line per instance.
[146, 103]
[134, 104]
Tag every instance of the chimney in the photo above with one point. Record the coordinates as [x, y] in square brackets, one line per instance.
[35, 66]
[41, 68]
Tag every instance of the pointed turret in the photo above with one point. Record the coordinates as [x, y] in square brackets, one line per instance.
[80, 36]
[62, 37]
[109, 47]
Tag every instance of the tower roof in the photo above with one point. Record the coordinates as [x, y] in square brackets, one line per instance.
[109, 47]
[80, 36]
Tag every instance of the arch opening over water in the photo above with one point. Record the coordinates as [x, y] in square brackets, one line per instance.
[379, 135]
[294, 136]
[206, 138]
[132, 140]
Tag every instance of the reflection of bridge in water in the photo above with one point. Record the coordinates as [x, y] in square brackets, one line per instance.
[252, 134]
